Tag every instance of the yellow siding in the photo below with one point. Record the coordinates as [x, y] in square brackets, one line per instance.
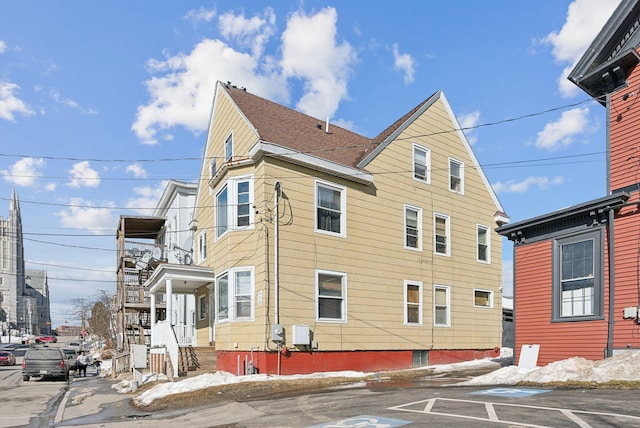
[372, 254]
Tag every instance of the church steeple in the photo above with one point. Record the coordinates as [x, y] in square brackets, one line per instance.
[14, 205]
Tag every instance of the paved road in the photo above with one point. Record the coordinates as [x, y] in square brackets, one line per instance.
[91, 402]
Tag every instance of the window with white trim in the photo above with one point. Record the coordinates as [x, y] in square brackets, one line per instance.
[456, 176]
[482, 298]
[330, 208]
[331, 292]
[212, 167]
[484, 243]
[441, 232]
[234, 205]
[578, 290]
[202, 307]
[441, 306]
[413, 302]
[421, 163]
[412, 227]
[202, 246]
[234, 295]
[228, 148]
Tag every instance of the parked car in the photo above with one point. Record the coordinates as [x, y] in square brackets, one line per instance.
[77, 345]
[18, 349]
[71, 354]
[7, 358]
[46, 363]
[46, 338]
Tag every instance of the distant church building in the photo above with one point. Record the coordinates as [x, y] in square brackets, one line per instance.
[24, 294]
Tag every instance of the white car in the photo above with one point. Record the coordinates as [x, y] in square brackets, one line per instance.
[77, 345]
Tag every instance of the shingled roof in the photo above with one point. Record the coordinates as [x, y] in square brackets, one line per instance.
[288, 128]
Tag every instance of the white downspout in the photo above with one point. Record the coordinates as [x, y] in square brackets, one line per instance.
[277, 187]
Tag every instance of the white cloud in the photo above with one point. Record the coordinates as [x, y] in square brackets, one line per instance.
[468, 121]
[561, 133]
[82, 175]
[147, 199]
[83, 215]
[542, 183]
[183, 96]
[10, 104]
[181, 88]
[311, 52]
[403, 63]
[3, 47]
[24, 172]
[585, 19]
[200, 15]
[137, 170]
[50, 187]
[253, 32]
[55, 95]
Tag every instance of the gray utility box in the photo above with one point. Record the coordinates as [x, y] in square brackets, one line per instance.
[277, 333]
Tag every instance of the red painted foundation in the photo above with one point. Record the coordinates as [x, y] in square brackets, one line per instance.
[301, 362]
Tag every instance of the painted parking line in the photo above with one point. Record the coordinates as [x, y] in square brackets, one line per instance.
[364, 421]
[511, 392]
[468, 409]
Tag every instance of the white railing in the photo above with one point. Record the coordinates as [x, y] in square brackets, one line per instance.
[163, 335]
[185, 334]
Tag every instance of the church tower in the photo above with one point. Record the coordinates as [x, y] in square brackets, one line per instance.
[12, 268]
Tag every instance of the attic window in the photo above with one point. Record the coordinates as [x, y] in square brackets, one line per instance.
[228, 148]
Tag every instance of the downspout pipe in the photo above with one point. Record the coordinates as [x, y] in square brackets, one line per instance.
[612, 262]
[277, 190]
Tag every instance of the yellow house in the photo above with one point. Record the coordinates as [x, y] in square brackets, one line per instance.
[333, 251]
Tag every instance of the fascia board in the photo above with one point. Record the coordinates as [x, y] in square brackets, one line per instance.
[309, 161]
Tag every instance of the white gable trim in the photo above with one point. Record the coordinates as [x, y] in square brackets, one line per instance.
[264, 148]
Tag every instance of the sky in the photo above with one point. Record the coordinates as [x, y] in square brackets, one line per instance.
[102, 102]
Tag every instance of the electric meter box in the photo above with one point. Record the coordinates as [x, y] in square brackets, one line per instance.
[277, 333]
[301, 335]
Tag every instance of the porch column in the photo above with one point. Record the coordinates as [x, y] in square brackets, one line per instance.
[169, 302]
[153, 309]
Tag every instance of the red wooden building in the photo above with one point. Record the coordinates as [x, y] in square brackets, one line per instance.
[577, 270]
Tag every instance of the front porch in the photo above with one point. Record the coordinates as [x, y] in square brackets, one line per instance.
[169, 336]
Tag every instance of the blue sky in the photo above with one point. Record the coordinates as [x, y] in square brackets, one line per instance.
[101, 102]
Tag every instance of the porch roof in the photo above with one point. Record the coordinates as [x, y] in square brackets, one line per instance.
[185, 278]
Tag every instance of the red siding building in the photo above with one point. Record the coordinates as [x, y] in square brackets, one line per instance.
[577, 270]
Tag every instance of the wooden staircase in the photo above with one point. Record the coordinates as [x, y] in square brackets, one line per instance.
[196, 360]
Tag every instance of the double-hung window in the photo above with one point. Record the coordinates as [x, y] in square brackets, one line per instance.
[441, 306]
[456, 176]
[412, 227]
[413, 302]
[330, 208]
[441, 232]
[234, 295]
[331, 296]
[228, 148]
[202, 307]
[421, 163]
[234, 205]
[577, 277]
[483, 241]
[202, 246]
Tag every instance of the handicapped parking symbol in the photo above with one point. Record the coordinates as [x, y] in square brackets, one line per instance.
[511, 392]
[364, 421]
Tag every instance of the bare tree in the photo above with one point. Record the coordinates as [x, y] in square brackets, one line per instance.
[97, 315]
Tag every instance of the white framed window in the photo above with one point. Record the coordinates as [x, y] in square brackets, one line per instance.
[456, 176]
[234, 295]
[413, 303]
[412, 227]
[482, 298]
[441, 306]
[202, 307]
[441, 233]
[202, 246]
[228, 148]
[234, 203]
[421, 163]
[331, 296]
[330, 208]
[484, 243]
